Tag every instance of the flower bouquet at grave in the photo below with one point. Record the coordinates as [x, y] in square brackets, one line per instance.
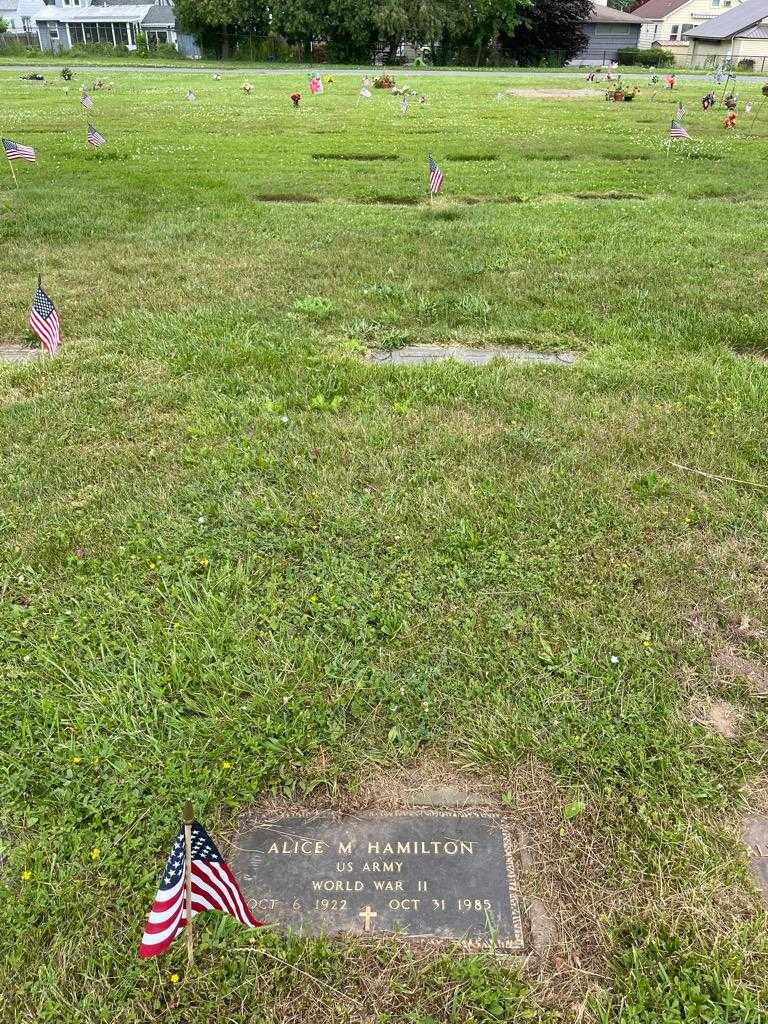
[731, 101]
[384, 82]
[764, 90]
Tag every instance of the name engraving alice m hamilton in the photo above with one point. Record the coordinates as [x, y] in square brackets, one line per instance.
[425, 875]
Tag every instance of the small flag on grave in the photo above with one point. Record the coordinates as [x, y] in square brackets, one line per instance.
[44, 321]
[15, 151]
[436, 177]
[95, 138]
[677, 131]
[680, 113]
[86, 101]
[196, 878]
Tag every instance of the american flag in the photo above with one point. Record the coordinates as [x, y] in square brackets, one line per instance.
[86, 101]
[435, 177]
[15, 151]
[95, 138]
[677, 131]
[680, 113]
[44, 321]
[213, 888]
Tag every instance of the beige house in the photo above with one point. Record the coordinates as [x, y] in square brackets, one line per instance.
[667, 21]
[738, 38]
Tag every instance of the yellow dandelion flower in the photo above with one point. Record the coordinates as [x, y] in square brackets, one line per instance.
[95, 853]
[174, 979]
[26, 875]
[226, 764]
[76, 760]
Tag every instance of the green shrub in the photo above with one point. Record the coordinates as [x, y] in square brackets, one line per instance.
[655, 58]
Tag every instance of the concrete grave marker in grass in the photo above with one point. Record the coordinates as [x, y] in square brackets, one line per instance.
[437, 873]
[18, 354]
[416, 355]
[756, 838]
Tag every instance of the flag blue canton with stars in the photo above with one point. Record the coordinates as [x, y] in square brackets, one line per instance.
[213, 886]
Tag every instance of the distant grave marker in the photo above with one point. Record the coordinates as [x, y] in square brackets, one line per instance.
[414, 355]
[756, 838]
[427, 874]
[18, 354]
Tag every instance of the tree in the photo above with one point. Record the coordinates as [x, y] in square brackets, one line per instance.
[475, 25]
[4, 26]
[549, 26]
[219, 23]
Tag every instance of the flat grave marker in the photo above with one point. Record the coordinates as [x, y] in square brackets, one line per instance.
[756, 838]
[424, 875]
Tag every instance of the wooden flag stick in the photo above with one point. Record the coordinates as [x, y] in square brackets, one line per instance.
[13, 172]
[189, 815]
[754, 119]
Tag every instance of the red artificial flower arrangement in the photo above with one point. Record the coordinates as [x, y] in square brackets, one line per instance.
[295, 96]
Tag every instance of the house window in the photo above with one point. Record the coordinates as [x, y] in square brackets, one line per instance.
[121, 34]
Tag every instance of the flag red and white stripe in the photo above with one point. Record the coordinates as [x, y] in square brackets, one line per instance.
[15, 151]
[214, 887]
[94, 137]
[44, 321]
[435, 177]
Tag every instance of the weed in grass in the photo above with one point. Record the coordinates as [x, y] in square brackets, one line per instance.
[314, 306]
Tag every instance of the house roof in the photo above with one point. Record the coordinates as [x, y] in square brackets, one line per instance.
[758, 32]
[22, 8]
[600, 15]
[733, 23]
[144, 14]
[655, 10]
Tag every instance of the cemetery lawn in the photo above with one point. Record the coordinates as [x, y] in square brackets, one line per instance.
[238, 560]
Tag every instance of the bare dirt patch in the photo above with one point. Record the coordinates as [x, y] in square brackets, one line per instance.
[718, 716]
[733, 665]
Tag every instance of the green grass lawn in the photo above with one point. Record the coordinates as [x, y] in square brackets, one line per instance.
[239, 561]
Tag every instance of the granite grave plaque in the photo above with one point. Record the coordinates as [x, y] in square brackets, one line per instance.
[425, 875]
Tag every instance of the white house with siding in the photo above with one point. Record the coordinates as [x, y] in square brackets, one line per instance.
[739, 38]
[19, 15]
[62, 24]
[666, 22]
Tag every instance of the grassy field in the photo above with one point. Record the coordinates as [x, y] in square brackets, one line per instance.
[241, 562]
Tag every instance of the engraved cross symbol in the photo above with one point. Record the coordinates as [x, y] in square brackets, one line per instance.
[368, 916]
